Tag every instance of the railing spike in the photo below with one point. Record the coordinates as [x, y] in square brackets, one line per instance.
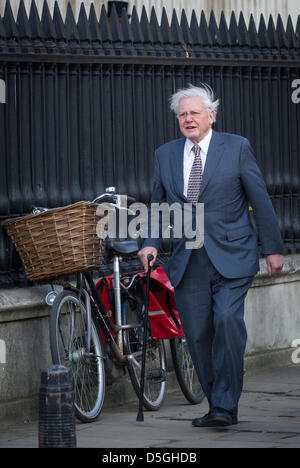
[115, 28]
[70, 25]
[224, 32]
[37, 32]
[127, 33]
[137, 33]
[204, 30]
[125, 26]
[167, 34]
[145, 25]
[186, 30]
[94, 25]
[176, 29]
[263, 33]
[136, 27]
[234, 30]
[9, 22]
[104, 26]
[35, 22]
[61, 33]
[213, 29]
[253, 36]
[273, 36]
[165, 28]
[147, 33]
[155, 29]
[47, 23]
[96, 37]
[290, 34]
[245, 40]
[23, 22]
[83, 25]
[283, 42]
[195, 30]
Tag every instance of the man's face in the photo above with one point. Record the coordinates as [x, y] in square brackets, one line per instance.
[195, 120]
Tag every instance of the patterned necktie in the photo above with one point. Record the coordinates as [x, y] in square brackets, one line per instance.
[195, 178]
[193, 189]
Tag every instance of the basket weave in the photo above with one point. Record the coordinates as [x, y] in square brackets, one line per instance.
[59, 241]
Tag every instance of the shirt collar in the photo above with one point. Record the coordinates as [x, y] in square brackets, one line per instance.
[204, 143]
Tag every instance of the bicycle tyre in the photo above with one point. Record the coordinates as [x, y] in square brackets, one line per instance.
[155, 368]
[68, 343]
[185, 371]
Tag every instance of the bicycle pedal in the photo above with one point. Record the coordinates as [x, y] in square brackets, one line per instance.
[157, 376]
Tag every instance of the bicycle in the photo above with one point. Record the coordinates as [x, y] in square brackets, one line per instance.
[96, 326]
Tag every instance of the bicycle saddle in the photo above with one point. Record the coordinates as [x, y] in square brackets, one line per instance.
[125, 247]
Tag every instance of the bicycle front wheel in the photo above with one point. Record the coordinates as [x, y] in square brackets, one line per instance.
[185, 371]
[68, 342]
[155, 364]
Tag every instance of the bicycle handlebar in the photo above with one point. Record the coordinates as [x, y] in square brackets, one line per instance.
[38, 209]
[114, 198]
[110, 196]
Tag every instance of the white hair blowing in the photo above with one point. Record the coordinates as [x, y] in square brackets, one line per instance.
[204, 91]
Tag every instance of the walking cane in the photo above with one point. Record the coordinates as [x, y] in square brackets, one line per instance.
[140, 415]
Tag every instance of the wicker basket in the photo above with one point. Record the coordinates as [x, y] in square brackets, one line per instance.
[60, 241]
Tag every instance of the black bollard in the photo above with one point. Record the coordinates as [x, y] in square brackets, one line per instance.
[56, 412]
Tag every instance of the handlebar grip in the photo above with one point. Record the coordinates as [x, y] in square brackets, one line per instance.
[38, 209]
[150, 257]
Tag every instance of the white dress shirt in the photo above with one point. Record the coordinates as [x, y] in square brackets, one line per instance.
[189, 155]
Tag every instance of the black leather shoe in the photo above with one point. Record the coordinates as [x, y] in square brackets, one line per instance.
[215, 418]
[221, 417]
[203, 422]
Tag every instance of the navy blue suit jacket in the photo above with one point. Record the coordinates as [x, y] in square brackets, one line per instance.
[231, 181]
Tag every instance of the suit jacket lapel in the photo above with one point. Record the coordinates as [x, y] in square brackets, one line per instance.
[177, 168]
[215, 152]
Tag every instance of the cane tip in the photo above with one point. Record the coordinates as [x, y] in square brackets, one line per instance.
[140, 417]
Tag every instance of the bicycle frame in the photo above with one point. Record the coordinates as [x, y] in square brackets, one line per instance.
[99, 326]
[104, 324]
[163, 316]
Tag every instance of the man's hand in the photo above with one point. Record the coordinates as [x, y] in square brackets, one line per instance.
[274, 263]
[143, 253]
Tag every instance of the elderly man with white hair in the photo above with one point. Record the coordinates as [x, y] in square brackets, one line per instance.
[211, 280]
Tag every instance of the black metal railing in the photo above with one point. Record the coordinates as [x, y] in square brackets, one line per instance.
[86, 104]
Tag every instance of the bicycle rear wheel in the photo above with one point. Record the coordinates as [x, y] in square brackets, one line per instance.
[185, 371]
[68, 342]
[155, 367]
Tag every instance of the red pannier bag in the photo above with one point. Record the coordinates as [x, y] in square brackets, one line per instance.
[163, 315]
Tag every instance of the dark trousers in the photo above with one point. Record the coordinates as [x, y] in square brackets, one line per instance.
[211, 309]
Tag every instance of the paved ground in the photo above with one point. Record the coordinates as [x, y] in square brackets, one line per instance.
[269, 417]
